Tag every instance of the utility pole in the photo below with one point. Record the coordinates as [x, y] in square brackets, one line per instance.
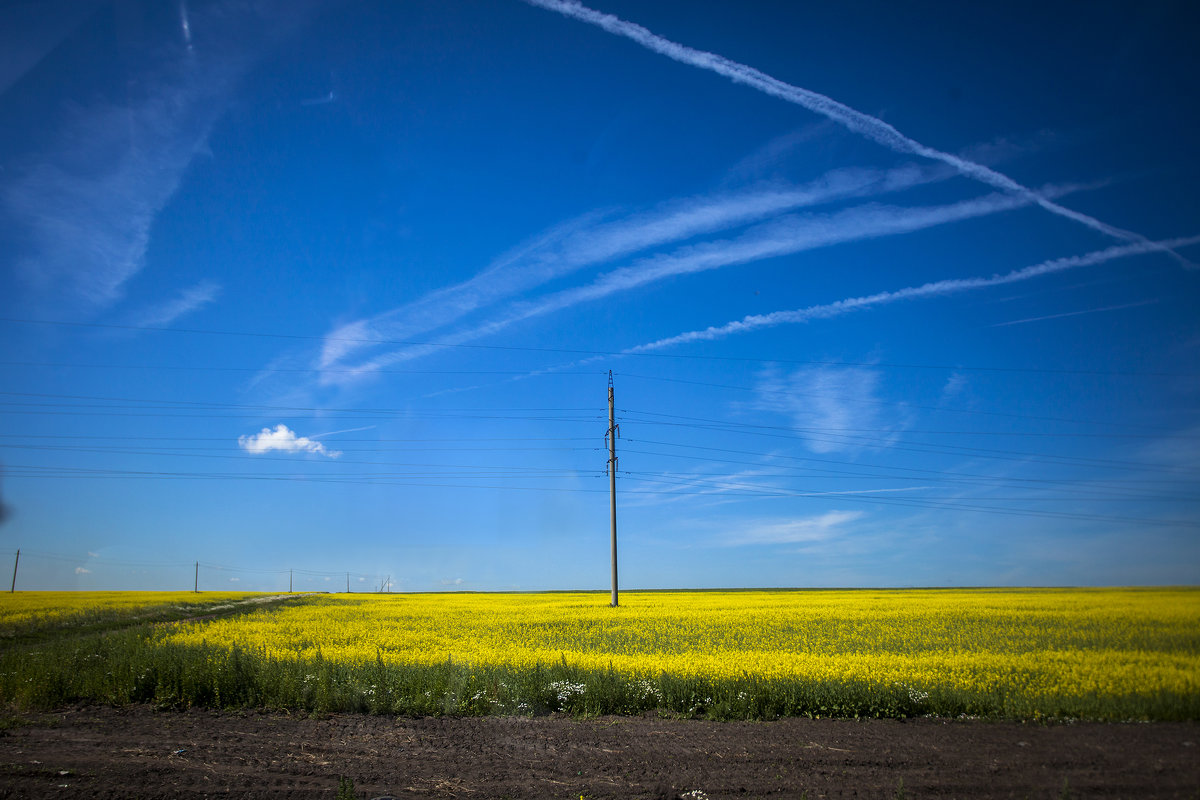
[613, 432]
[196, 585]
[289, 581]
[347, 583]
[15, 563]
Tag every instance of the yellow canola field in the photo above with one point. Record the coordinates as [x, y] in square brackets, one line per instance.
[1071, 642]
[22, 610]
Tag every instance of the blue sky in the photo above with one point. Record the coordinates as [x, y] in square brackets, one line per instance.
[892, 295]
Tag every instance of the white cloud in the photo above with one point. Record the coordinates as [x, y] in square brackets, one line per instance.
[833, 408]
[793, 531]
[234, 580]
[285, 439]
[956, 384]
[82, 571]
[189, 300]
[93, 555]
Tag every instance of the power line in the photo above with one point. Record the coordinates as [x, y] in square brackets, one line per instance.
[102, 561]
[721, 479]
[576, 352]
[290, 370]
[904, 404]
[975, 452]
[157, 403]
[339, 441]
[924, 473]
[943, 505]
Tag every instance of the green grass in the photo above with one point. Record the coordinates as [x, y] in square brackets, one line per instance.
[128, 666]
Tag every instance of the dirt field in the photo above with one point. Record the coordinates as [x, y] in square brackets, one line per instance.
[101, 752]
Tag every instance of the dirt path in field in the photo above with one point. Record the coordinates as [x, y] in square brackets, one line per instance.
[138, 752]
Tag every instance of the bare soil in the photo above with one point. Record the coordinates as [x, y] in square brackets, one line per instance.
[101, 752]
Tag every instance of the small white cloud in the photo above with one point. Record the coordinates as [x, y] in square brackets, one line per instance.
[234, 580]
[834, 408]
[82, 571]
[189, 300]
[327, 578]
[793, 531]
[285, 439]
[362, 580]
[93, 555]
[955, 385]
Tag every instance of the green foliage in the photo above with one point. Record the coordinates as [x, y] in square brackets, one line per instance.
[345, 790]
[132, 666]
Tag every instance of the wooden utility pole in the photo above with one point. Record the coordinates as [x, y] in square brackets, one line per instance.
[347, 583]
[15, 563]
[196, 585]
[613, 431]
[289, 581]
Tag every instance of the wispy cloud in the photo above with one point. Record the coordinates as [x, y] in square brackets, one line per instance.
[785, 235]
[189, 300]
[856, 121]
[955, 386]
[82, 571]
[593, 239]
[933, 289]
[670, 487]
[88, 200]
[1073, 313]
[804, 530]
[284, 439]
[831, 406]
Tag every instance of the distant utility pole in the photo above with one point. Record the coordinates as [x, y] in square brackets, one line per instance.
[15, 563]
[196, 585]
[289, 581]
[347, 583]
[611, 436]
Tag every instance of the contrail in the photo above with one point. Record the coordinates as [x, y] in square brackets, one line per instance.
[863, 124]
[783, 236]
[936, 288]
[347, 430]
[1074, 313]
[588, 241]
